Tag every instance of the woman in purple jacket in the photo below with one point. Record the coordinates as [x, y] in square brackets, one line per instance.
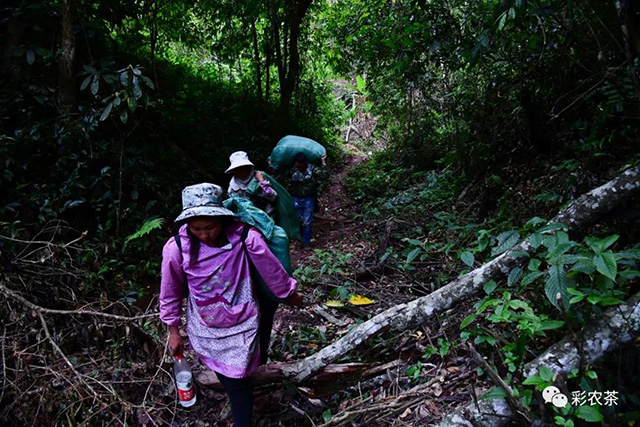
[222, 311]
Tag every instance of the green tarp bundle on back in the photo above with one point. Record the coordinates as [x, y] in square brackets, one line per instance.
[286, 216]
[275, 236]
[284, 153]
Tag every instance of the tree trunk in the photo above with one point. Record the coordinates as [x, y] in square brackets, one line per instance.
[153, 39]
[577, 214]
[268, 46]
[623, 7]
[290, 74]
[256, 53]
[617, 326]
[66, 73]
[275, 23]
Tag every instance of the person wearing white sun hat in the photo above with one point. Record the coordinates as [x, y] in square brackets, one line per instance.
[214, 253]
[249, 183]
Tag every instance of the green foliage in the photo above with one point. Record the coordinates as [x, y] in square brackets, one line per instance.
[464, 83]
[578, 279]
[146, 228]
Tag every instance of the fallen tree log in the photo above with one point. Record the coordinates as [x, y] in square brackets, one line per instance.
[578, 213]
[616, 327]
[274, 372]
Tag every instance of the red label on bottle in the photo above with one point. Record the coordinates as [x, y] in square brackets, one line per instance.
[187, 394]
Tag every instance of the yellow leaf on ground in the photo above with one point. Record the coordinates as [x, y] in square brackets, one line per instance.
[334, 303]
[360, 300]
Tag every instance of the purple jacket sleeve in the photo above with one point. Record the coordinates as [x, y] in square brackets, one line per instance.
[272, 272]
[267, 191]
[171, 281]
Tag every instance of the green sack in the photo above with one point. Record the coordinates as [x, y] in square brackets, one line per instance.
[246, 212]
[286, 216]
[283, 155]
[275, 236]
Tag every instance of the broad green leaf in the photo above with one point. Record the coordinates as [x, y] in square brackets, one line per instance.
[360, 83]
[534, 264]
[502, 20]
[506, 241]
[490, 286]
[137, 92]
[559, 250]
[589, 413]
[576, 299]
[574, 291]
[536, 240]
[467, 257]
[486, 304]
[546, 374]
[514, 276]
[494, 393]
[600, 245]
[594, 299]
[516, 304]
[556, 284]
[531, 277]
[467, 320]
[609, 240]
[85, 82]
[95, 84]
[534, 380]
[413, 254]
[551, 324]
[629, 254]
[553, 227]
[629, 274]
[606, 265]
[536, 220]
[148, 82]
[106, 112]
[609, 300]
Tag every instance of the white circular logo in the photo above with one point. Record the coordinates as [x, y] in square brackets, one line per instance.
[552, 395]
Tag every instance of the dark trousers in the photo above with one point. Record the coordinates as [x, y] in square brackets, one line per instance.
[305, 206]
[240, 390]
[267, 311]
[240, 393]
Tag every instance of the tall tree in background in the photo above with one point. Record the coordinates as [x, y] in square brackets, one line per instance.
[66, 70]
[286, 33]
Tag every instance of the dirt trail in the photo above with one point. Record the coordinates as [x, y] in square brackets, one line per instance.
[333, 228]
[334, 220]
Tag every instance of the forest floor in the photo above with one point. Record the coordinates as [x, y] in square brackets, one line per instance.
[384, 395]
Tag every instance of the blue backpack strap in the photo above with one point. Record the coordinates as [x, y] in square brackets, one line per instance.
[261, 285]
[185, 284]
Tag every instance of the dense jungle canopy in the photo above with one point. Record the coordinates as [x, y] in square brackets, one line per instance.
[460, 136]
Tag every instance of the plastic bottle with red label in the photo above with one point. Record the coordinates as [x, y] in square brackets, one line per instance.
[184, 381]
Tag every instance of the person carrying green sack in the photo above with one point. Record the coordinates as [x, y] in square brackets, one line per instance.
[304, 180]
[248, 183]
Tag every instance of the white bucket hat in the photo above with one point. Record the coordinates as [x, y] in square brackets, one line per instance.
[238, 159]
[202, 200]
